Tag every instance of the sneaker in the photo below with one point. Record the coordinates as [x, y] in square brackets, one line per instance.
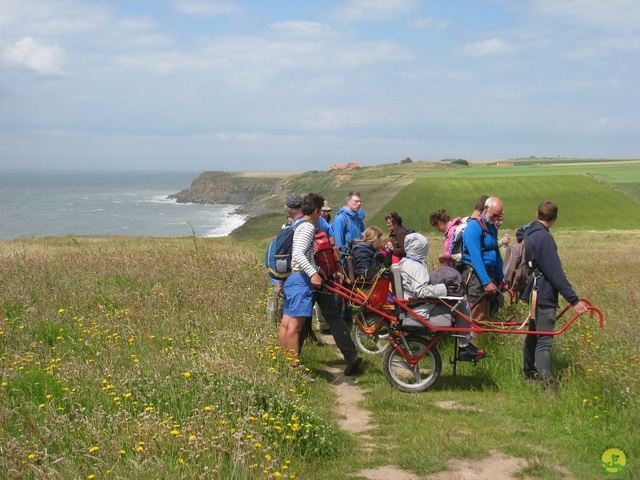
[471, 353]
[353, 365]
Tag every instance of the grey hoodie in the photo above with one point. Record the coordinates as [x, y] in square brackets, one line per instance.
[415, 272]
[415, 283]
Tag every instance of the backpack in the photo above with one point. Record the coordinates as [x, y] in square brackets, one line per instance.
[277, 257]
[517, 267]
[456, 247]
[325, 256]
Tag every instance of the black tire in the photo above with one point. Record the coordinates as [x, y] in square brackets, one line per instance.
[365, 343]
[422, 376]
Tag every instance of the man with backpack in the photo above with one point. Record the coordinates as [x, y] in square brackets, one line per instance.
[482, 274]
[541, 292]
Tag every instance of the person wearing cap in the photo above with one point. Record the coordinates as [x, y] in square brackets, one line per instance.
[326, 212]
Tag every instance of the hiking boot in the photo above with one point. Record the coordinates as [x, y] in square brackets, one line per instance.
[353, 365]
[471, 353]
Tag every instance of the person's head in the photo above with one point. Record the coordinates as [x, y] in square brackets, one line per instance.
[326, 211]
[439, 220]
[493, 209]
[373, 236]
[480, 202]
[293, 203]
[312, 205]
[394, 221]
[547, 211]
[354, 201]
[416, 245]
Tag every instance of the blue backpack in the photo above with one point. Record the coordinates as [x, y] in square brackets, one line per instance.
[277, 257]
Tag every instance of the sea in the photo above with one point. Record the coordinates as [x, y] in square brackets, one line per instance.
[90, 203]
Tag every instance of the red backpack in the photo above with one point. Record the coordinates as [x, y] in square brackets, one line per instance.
[325, 255]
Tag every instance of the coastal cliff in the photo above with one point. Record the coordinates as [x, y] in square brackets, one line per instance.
[256, 193]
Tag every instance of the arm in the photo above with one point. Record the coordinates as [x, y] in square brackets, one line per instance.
[303, 239]
[416, 281]
[549, 263]
[339, 230]
[472, 236]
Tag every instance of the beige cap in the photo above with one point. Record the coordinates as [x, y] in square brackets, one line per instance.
[326, 207]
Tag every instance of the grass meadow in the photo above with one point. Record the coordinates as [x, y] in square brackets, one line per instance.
[152, 358]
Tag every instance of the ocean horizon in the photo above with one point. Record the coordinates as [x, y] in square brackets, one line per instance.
[98, 203]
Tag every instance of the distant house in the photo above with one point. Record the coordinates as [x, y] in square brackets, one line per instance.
[344, 166]
[504, 164]
[406, 160]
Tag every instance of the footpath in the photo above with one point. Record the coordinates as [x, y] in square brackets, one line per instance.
[357, 422]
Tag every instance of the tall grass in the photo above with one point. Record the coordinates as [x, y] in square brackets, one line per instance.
[152, 358]
[562, 432]
[146, 358]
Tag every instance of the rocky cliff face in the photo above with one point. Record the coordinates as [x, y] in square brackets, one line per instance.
[227, 188]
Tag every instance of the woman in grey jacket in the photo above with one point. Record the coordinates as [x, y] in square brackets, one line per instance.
[415, 284]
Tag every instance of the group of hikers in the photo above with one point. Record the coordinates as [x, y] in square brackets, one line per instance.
[471, 247]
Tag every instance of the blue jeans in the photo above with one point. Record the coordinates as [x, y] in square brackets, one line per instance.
[537, 348]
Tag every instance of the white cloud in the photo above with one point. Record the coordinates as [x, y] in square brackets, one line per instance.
[207, 8]
[306, 29]
[487, 47]
[43, 59]
[374, 10]
[616, 16]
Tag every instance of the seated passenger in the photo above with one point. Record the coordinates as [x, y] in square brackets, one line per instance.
[368, 259]
[414, 273]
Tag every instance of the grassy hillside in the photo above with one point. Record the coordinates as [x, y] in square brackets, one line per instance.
[592, 195]
[585, 204]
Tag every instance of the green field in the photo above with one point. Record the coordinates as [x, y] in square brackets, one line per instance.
[619, 174]
[584, 203]
[596, 195]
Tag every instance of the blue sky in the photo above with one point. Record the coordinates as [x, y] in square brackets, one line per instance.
[300, 85]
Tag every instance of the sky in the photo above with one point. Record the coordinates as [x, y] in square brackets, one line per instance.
[293, 85]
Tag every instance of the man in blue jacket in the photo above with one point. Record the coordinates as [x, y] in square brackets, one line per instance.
[347, 224]
[481, 256]
[547, 281]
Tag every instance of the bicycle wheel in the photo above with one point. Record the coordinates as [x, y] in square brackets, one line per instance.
[417, 378]
[368, 341]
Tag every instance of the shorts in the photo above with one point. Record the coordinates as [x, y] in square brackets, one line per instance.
[297, 295]
[475, 289]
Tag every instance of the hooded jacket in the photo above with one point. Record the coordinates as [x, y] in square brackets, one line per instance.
[544, 253]
[364, 258]
[347, 226]
[415, 273]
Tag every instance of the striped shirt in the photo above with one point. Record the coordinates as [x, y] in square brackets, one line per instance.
[303, 249]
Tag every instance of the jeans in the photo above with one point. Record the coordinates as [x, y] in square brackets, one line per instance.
[537, 348]
[339, 330]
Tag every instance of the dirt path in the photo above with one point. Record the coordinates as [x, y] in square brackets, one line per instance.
[357, 421]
